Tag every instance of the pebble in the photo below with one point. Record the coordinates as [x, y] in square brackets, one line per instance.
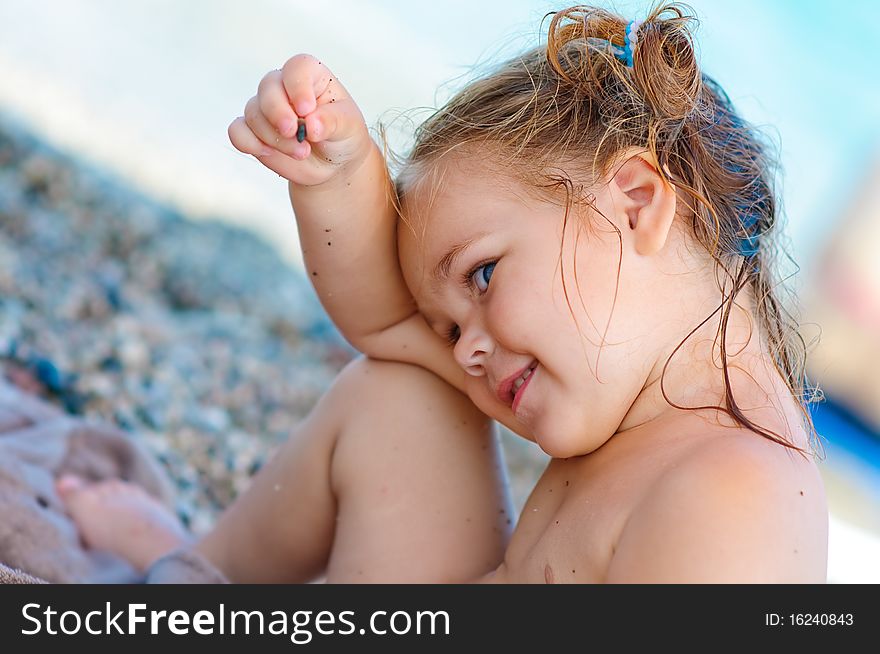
[192, 336]
[189, 335]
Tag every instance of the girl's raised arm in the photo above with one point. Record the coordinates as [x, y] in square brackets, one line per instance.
[304, 125]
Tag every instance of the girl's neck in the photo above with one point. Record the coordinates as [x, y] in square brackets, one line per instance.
[694, 377]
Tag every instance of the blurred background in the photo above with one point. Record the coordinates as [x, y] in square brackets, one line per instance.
[150, 273]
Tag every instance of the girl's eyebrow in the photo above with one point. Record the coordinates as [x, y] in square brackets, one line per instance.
[447, 261]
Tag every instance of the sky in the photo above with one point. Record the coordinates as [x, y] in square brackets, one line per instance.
[146, 89]
[806, 72]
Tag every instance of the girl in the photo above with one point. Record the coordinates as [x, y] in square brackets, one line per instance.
[582, 243]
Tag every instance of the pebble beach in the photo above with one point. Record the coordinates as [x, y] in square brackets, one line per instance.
[194, 337]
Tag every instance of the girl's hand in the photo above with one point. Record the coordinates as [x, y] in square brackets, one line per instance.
[304, 93]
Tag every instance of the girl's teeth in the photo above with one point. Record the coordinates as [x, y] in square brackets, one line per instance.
[522, 380]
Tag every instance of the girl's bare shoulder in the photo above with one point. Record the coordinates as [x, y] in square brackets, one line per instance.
[734, 508]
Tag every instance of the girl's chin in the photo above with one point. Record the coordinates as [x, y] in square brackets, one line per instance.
[527, 425]
[562, 437]
[515, 426]
[560, 449]
[551, 441]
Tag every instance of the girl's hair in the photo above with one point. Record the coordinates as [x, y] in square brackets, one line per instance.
[568, 110]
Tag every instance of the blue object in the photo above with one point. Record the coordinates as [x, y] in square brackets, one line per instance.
[49, 375]
[749, 245]
[631, 38]
[842, 428]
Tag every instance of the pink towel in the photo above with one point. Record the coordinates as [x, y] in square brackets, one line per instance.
[38, 443]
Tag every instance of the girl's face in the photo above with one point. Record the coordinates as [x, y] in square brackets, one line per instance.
[489, 266]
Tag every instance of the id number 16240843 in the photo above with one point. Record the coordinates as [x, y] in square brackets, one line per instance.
[809, 619]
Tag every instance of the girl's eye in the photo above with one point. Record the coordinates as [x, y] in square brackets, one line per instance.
[452, 335]
[482, 274]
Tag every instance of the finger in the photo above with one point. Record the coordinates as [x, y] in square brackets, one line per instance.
[275, 105]
[247, 142]
[305, 171]
[334, 121]
[244, 140]
[260, 126]
[306, 79]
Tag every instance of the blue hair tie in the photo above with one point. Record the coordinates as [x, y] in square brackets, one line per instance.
[631, 38]
[749, 246]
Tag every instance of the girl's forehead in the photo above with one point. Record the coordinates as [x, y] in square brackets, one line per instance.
[439, 214]
[454, 192]
[429, 225]
[437, 218]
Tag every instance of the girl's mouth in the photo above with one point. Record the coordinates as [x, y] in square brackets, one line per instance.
[519, 386]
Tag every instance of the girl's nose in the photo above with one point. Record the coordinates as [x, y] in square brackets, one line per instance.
[472, 350]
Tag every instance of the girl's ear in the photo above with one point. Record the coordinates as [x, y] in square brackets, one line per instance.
[645, 202]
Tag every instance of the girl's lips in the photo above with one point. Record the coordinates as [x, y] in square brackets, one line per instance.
[522, 389]
[505, 390]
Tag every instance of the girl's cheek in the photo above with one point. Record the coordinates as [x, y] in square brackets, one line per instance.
[502, 314]
[479, 394]
[510, 297]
